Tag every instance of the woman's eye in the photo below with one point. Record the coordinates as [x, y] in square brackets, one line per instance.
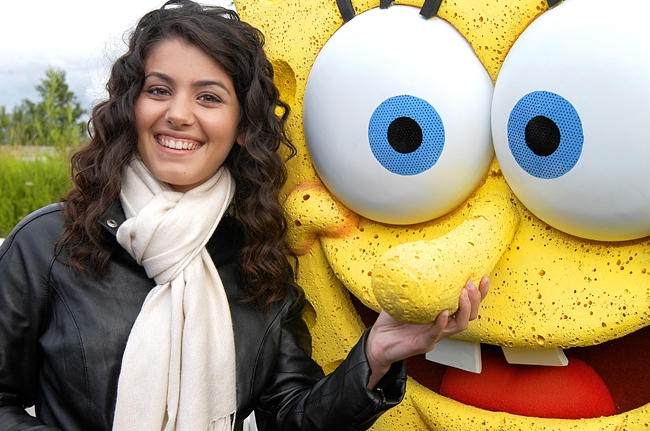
[158, 91]
[209, 98]
[397, 116]
[569, 120]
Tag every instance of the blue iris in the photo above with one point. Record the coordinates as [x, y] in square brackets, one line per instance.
[406, 135]
[545, 134]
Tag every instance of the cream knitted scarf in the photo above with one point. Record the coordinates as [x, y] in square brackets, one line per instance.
[178, 369]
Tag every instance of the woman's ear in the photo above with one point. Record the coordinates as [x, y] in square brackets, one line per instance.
[240, 139]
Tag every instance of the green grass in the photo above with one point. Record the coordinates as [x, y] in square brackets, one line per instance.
[30, 177]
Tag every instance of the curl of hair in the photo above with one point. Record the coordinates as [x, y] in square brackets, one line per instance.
[256, 166]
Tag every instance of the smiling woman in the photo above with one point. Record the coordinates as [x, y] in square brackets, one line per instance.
[158, 292]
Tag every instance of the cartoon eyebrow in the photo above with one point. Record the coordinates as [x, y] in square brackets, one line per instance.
[429, 8]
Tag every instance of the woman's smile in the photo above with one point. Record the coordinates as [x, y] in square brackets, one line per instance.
[188, 103]
[178, 144]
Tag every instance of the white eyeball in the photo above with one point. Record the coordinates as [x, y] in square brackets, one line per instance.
[397, 116]
[569, 119]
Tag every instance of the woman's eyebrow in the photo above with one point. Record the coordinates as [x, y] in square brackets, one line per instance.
[162, 76]
[207, 83]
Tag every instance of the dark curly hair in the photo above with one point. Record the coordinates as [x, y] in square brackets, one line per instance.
[256, 166]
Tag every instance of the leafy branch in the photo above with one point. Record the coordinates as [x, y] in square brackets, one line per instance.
[55, 120]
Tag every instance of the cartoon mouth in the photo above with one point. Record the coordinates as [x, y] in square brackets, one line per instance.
[601, 380]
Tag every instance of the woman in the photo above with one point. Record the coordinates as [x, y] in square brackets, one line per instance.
[157, 296]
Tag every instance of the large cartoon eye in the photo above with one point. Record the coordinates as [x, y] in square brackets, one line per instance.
[569, 119]
[545, 134]
[406, 135]
[396, 116]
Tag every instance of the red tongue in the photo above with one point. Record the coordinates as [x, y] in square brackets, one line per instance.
[571, 392]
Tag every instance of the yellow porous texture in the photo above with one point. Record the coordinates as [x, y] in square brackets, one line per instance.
[548, 289]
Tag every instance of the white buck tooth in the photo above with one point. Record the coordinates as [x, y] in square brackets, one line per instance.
[549, 357]
[179, 145]
[465, 355]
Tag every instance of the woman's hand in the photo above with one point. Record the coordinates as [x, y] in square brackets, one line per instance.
[390, 340]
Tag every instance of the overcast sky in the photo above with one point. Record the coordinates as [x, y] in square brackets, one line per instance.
[81, 37]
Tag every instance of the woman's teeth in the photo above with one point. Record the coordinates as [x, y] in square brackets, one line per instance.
[179, 144]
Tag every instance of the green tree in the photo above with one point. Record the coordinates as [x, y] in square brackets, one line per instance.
[5, 123]
[14, 126]
[55, 120]
[54, 91]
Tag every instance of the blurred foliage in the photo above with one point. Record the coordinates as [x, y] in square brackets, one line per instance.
[55, 120]
[35, 141]
[30, 180]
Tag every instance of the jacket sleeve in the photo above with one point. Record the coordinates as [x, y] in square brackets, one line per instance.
[301, 398]
[22, 306]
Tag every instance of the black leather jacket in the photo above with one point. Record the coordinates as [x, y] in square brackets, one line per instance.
[62, 336]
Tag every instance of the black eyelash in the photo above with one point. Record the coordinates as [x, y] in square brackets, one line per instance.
[346, 9]
[429, 8]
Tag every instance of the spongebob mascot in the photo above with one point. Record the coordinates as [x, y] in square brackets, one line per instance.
[443, 140]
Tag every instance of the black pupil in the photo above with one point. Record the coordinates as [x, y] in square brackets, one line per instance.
[404, 135]
[542, 136]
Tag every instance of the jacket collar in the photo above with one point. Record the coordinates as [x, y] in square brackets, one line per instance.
[113, 218]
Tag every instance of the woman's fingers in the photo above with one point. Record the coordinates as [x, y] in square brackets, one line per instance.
[476, 295]
[484, 286]
[469, 303]
[463, 314]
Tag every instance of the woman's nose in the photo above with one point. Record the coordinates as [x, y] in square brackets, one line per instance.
[179, 112]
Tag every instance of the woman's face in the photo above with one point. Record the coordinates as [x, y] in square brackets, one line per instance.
[186, 116]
